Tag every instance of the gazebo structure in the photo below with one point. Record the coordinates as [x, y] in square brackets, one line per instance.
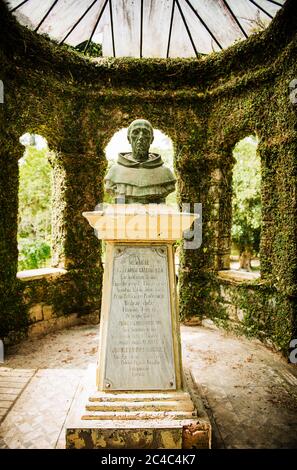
[205, 104]
[206, 73]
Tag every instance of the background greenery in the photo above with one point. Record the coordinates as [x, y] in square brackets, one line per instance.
[246, 200]
[34, 217]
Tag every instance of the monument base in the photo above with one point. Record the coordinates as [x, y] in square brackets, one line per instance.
[137, 420]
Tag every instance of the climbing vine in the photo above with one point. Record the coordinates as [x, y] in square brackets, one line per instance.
[205, 106]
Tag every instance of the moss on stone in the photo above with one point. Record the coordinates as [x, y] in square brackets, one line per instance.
[205, 106]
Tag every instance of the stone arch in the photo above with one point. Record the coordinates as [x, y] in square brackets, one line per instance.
[203, 105]
[247, 244]
[34, 233]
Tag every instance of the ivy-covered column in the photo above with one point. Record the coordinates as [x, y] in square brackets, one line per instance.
[77, 187]
[220, 202]
[279, 222]
[196, 260]
[12, 314]
[58, 210]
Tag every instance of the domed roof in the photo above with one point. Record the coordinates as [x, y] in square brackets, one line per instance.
[147, 28]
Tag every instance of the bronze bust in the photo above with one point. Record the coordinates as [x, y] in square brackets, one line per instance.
[140, 176]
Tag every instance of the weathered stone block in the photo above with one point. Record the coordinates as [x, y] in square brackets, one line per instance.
[195, 438]
[47, 312]
[124, 438]
[35, 313]
[38, 329]
[53, 324]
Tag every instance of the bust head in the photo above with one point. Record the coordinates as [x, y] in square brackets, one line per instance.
[140, 136]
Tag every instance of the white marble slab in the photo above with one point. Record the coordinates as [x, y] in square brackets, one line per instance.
[139, 353]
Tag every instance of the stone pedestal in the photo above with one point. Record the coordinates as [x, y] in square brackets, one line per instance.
[137, 420]
[140, 346]
[141, 397]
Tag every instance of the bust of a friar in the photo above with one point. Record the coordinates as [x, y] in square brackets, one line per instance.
[140, 176]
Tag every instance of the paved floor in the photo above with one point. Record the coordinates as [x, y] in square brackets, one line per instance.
[249, 391]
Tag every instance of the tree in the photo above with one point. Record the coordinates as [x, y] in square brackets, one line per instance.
[246, 200]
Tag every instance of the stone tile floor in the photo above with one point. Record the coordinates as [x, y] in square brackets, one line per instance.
[249, 391]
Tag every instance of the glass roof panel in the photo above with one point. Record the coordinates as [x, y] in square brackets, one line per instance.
[126, 26]
[143, 28]
[156, 26]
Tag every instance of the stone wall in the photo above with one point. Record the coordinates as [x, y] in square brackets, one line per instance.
[46, 295]
[204, 105]
[254, 308]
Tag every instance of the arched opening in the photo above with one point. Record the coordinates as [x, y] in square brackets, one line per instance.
[246, 206]
[35, 206]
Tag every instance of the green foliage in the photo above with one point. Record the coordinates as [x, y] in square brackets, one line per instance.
[33, 254]
[34, 218]
[93, 50]
[246, 201]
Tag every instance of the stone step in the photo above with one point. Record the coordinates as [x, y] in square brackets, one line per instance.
[12, 384]
[12, 390]
[8, 396]
[164, 405]
[5, 403]
[5, 372]
[14, 379]
[138, 396]
[138, 415]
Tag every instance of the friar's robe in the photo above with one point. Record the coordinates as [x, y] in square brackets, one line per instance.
[147, 181]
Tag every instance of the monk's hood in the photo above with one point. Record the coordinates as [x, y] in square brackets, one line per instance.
[127, 160]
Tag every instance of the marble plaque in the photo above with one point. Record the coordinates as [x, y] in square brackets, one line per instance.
[139, 346]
